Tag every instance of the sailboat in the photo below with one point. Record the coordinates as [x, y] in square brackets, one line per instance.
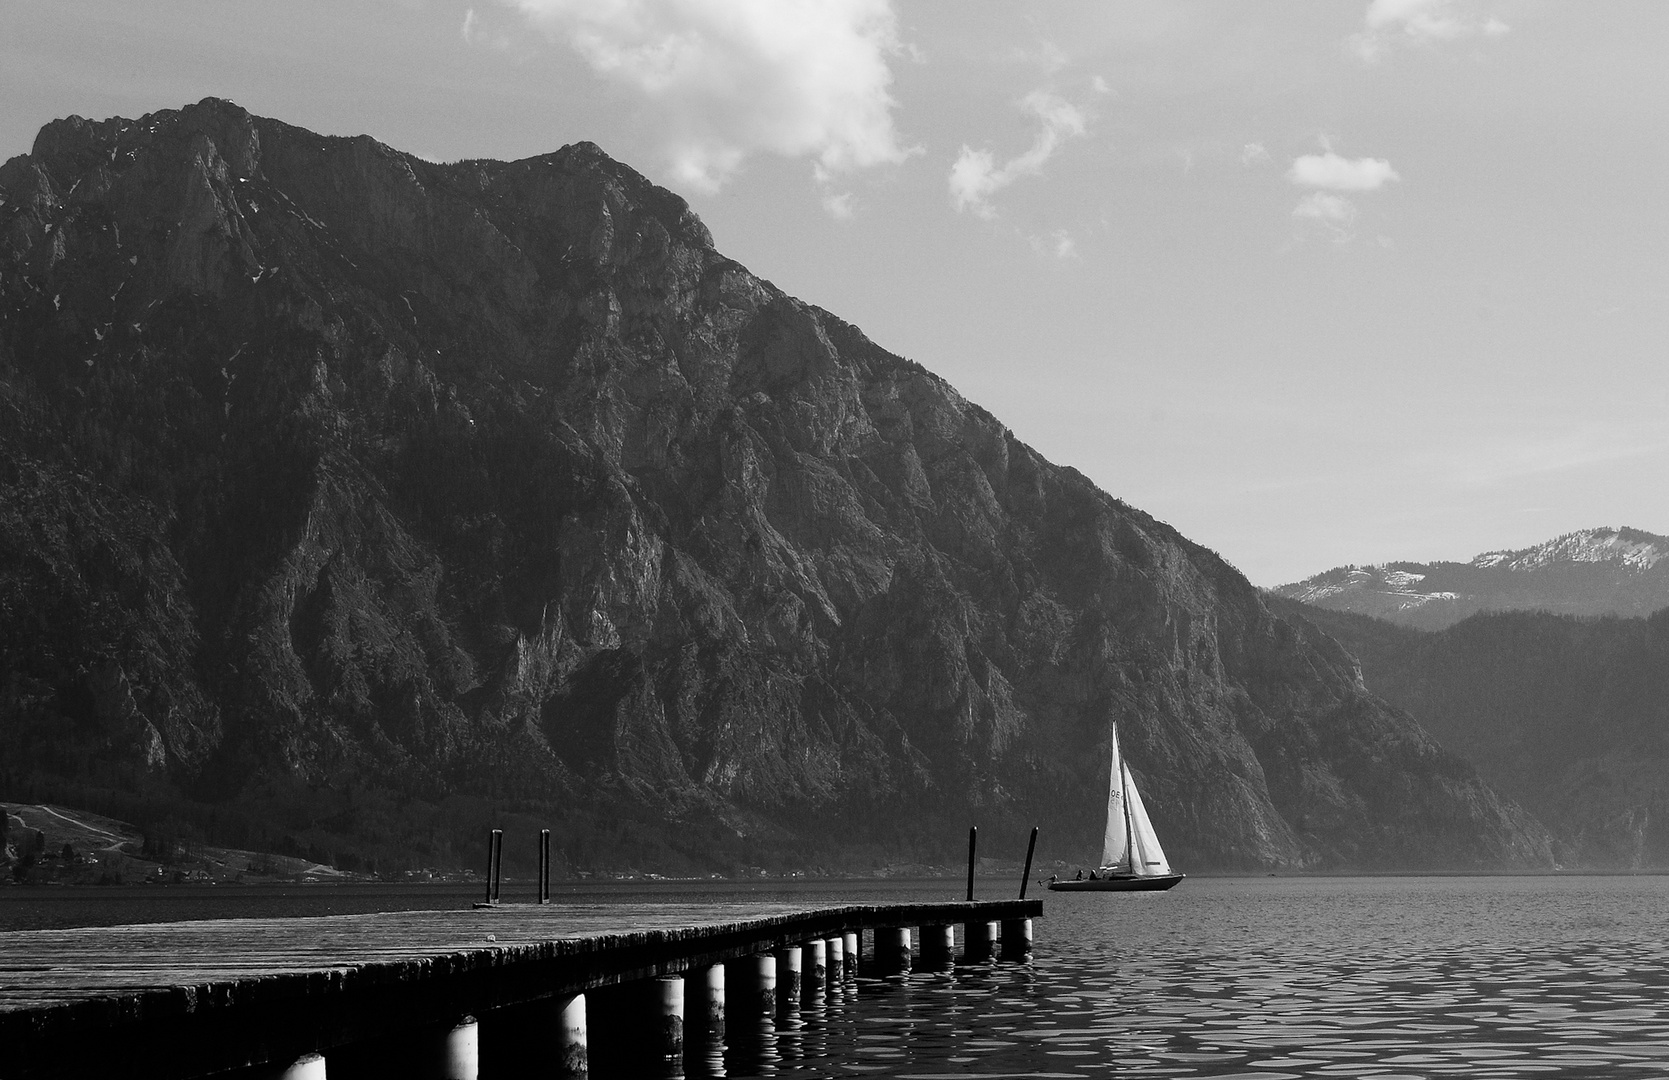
[1131, 858]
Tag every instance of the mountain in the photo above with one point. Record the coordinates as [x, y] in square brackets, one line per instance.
[1592, 572]
[1569, 716]
[350, 503]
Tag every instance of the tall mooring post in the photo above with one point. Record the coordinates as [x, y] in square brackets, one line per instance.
[545, 866]
[973, 842]
[1026, 874]
[495, 863]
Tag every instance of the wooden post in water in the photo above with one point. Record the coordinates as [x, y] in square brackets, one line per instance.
[708, 1009]
[788, 981]
[892, 950]
[973, 840]
[836, 953]
[461, 1051]
[1026, 875]
[1017, 939]
[571, 1058]
[544, 866]
[670, 1029]
[764, 988]
[492, 839]
[938, 947]
[979, 941]
[704, 1020]
[816, 975]
[851, 951]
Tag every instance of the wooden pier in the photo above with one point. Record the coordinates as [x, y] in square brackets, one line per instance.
[291, 995]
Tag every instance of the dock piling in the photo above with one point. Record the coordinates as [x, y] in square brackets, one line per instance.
[973, 842]
[571, 1059]
[788, 982]
[851, 957]
[892, 950]
[835, 952]
[1017, 939]
[979, 941]
[461, 1051]
[816, 975]
[938, 944]
[670, 1028]
[758, 991]
[704, 1020]
[708, 1010]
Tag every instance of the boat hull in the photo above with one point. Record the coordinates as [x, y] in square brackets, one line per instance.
[1153, 883]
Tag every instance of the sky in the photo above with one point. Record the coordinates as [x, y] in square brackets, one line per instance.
[1317, 282]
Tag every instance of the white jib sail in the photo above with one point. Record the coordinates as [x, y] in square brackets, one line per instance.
[1146, 857]
[1115, 841]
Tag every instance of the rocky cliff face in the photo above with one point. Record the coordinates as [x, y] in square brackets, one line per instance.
[1591, 572]
[329, 468]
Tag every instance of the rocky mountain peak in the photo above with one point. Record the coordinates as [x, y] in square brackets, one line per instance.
[362, 482]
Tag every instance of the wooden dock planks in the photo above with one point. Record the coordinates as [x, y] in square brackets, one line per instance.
[225, 993]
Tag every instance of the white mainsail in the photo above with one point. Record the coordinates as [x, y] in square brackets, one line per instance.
[1115, 842]
[1129, 845]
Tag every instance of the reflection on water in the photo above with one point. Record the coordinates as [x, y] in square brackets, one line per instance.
[1278, 979]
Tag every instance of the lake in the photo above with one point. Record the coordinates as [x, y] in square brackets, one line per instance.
[1270, 978]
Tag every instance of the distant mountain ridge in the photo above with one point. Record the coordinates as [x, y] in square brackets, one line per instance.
[1601, 571]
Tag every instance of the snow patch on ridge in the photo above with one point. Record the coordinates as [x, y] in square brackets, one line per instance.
[1635, 550]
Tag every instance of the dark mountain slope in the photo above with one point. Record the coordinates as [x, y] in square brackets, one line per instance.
[344, 479]
[1568, 716]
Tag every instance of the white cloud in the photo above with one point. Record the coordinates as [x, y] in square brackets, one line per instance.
[799, 78]
[1253, 154]
[976, 176]
[839, 206]
[1329, 170]
[1420, 22]
[1099, 85]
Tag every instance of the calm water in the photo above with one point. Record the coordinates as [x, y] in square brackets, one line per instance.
[1267, 978]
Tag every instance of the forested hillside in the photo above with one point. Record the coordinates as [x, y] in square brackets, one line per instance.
[1567, 715]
